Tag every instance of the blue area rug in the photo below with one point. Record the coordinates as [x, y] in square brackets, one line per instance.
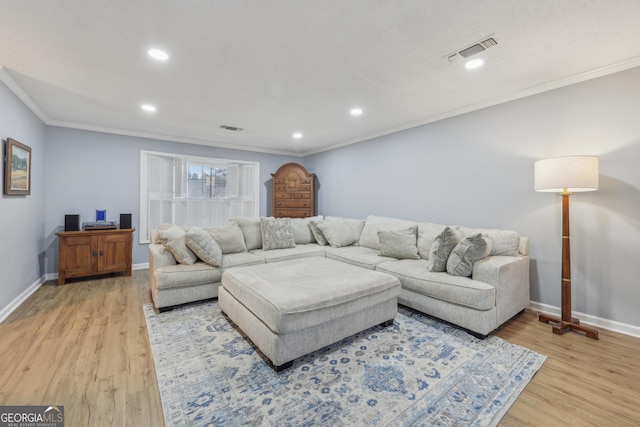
[416, 372]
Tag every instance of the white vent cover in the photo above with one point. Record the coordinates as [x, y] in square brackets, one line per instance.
[473, 49]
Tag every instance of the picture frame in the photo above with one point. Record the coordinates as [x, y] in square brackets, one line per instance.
[17, 169]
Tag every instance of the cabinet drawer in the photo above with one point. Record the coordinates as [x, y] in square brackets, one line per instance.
[283, 195]
[293, 204]
[292, 213]
[302, 195]
[278, 181]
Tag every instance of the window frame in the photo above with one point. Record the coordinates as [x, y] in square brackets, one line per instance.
[145, 232]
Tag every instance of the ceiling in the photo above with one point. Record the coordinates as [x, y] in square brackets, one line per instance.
[275, 67]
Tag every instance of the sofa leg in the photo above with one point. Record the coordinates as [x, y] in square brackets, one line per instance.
[163, 309]
[387, 323]
[477, 335]
[283, 366]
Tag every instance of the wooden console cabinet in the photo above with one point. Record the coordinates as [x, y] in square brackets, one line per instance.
[293, 194]
[94, 252]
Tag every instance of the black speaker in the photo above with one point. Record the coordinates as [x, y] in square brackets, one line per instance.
[125, 220]
[72, 223]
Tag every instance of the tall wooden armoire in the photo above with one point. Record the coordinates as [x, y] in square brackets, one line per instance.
[293, 193]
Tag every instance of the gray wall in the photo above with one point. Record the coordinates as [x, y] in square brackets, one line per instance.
[477, 170]
[21, 217]
[92, 170]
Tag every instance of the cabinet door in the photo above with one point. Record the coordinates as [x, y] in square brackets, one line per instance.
[114, 253]
[77, 256]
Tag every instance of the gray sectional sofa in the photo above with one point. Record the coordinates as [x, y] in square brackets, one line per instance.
[485, 282]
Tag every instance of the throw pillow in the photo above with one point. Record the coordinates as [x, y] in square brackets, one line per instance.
[229, 238]
[341, 232]
[301, 232]
[317, 233]
[400, 244]
[466, 252]
[251, 228]
[173, 239]
[204, 246]
[375, 224]
[277, 234]
[441, 248]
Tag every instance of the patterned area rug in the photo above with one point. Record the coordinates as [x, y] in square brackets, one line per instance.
[416, 372]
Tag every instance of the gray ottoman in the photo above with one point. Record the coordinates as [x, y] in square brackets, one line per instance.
[291, 308]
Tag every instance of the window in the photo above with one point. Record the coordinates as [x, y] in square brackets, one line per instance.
[195, 191]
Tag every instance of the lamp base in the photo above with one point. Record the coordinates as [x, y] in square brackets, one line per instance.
[560, 326]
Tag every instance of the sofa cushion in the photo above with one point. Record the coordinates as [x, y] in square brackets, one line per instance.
[503, 242]
[427, 233]
[302, 234]
[240, 259]
[375, 224]
[341, 232]
[277, 234]
[229, 238]
[173, 238]
[442, 247]
[400, 244]
[251, 228]
[415, 277]
[181, 275]
[204, 246]
[466, 252]
[357, 255]
[300, 251]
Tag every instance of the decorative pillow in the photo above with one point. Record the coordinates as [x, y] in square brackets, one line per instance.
[442, 247]
[427, 233]
[251, 228]
[277, 234]
[503, 242]
[204, 246]
[466, 252]
[341, 232]
[173, 239]
[374, 224]
[301, 232]
[229, 238]
[401, 244]
[317, 233]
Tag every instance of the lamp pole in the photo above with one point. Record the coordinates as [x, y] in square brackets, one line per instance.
[566, 322]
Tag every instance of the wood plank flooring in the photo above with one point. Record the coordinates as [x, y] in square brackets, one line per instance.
[84, 345]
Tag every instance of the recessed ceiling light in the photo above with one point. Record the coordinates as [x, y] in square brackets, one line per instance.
[297, 135]
[356, 111]
[148, 108]
[158, 54]
[474, 63]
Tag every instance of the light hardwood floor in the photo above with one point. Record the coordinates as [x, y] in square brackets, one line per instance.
[84, 345]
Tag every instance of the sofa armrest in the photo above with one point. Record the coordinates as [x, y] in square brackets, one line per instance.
[510, 277]
[159, 256]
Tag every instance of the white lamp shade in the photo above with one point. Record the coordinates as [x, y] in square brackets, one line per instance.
[572, 174]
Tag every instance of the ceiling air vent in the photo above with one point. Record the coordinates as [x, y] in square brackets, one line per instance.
[231, 128]
[473, 49]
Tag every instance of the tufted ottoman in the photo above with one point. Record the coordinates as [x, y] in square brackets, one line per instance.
[291, 308]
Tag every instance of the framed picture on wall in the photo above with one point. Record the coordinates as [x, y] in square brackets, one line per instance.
[17, 169]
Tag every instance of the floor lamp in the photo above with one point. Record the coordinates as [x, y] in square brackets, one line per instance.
[566, 175]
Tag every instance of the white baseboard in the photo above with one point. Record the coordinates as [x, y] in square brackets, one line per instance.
[6, 311]
[588, 319]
